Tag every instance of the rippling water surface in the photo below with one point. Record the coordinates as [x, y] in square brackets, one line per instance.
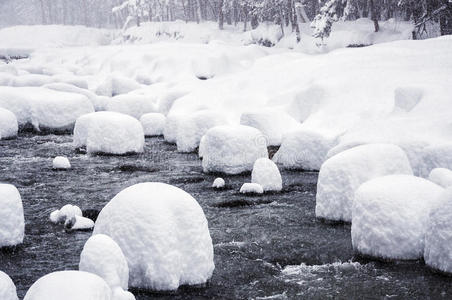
[266, 247]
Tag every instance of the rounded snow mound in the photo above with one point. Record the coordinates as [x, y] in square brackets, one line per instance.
[171, 127]
[390, 216]
[132, 105]
[7, 288]
[163, 234]
[438, 237]
[8, 124]
[153, 124]
[70, 285]
[194, 126]
[109, 132]
[342, 174]
[441, 176]
[103, 257]
[12, 223]
[218, 183]
[251, 188]
[266, 173]
[68, 211]
[232, 149]
[303, 149]
[61, 163]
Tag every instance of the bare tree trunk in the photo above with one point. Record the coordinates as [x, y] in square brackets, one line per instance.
[220, 15]
[373, 15]
[198, 11]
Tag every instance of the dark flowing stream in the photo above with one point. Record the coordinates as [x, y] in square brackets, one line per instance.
[266, 247]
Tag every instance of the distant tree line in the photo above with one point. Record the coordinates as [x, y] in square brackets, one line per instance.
[321, 14]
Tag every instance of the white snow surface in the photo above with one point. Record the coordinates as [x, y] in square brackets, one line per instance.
[342, 174]
[7, 288]
[61, 163]
[153, 124]
[266, 173]
[12, 224]
[441, 176]
[103, 257]
[163, 234]
[438, 236]
[251, 188]
[109, 132]
[218, 183]
[232, 149]
[72, 285]
[390, 216]
[8, 124]
[66, 212]
[81, 223]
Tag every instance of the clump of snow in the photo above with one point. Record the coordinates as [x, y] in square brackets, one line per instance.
[132, 105]
[218, 183]
[441, 176]
[304, 149]
[71, 285]
[61, 163]
[116, 84]
[251, 188]
[109, 132]
[7, 288]
[103, 257]
[266, 174]
[12, 222]
[271, 123]
[192, 127]
[342, 174]
[163, 234]
[438, 236]
[78, 223]
[390, 216]
[232, 149]
[153, 124]
[43, 108]
[8, 124]
[68, 211]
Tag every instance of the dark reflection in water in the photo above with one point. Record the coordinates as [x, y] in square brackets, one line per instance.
[268, 247]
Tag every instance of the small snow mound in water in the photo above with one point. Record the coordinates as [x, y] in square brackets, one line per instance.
[102, 256]
[8, 124]
[12, 223]
[266, 173]
[61, 163]
[218, 183]
[70, 285]
[7, 288]
[163, 234]
[68, 211]
[109, 132]
[153, 124]
[343, 173]
[78, 223]
[390, 216]
[438, 237]
[232, 149]
[441, 176]
[251, 188]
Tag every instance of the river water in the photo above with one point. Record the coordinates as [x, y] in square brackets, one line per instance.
[266, 247]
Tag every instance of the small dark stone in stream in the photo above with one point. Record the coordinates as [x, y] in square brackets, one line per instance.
[186, 180]
[91, 214]
[241, 203]
[69, 224]
[136, 168]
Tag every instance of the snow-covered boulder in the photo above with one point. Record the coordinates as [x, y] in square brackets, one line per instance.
[72, 285]
[153, 124]
[251, 188]
[390, 216]
[68, 211]
[266, 173]
[116, 84]
[43, 108]
[342, 174]
[218, 183]
[7, 288]
[102, 256]
[303, 149]
[171, 128]
[232, 149]
[163, 234]
[441, 176]
[98, 102]
[8, 124]
[108, 132]
[61, 163]
[12, 222]
[132, 105]
[192, 127]
[273, 124]
[438, 237]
